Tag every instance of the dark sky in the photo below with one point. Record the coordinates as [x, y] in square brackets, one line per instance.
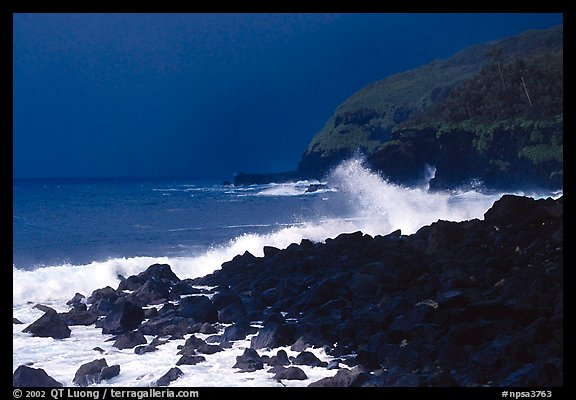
[208, 95]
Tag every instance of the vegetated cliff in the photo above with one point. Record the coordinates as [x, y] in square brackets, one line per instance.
[491, 112]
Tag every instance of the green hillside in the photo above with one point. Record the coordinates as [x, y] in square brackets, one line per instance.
[464, 94]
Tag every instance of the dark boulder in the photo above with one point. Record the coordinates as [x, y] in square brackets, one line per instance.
[89, 373]
[236, 331]
[281, 358]
[190, 360]
[150, 313]
[404, 323]
[230, 306]
[129, 340]
[183, 288]
[395, 379]
[124, 316]
[170, 376]
[160, 272]
[79, 316]
[166, 325]
[308, 358]
[149, 348]
[214, 339]
[101, 307]
[207, 328]
[452, 299]
[76, 300]
[194, 342]
[33, 377]
[109, 372]
[199, 308]
[274, 333]
[152, 291]
[190, 346]
[508, 209]
[300, 345]
[270, 251]
[323, 292]
[343, 378]
[106, 293]
[232, 313]
[49, 325]
[249, 361]
[291, 373]
[209, 348]
[367, 359]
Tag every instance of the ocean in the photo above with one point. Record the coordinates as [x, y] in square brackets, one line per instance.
[79, 235]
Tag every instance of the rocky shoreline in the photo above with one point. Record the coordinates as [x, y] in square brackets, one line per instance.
[473, 303]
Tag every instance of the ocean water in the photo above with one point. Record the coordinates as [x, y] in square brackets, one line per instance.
[77, 236]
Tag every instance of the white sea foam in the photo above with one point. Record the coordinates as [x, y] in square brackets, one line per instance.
[61, 358]
[382, 207]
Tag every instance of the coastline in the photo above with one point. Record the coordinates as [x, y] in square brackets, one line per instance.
[471, 303]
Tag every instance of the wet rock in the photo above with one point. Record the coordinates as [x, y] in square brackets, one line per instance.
[291, 373]
[343, 378]
[124, 316]
[107, 293]
[76, 300]
[89, 373]
[404, 323]
[33, 377]
[214, 339]
[249, 361]
[183, 288]
[101, 307]
[150, 313]
[208, 328]
[270, 251]
[209, 349]
[159, 272]
[109, 372]
[367, 359]
[274, 333]
[153, 290]
[170, 376]
[300, 345]
[191, 344]
[190, 360]
[79, 316]
[308, 358]
[150, 348]
[281, 358]
[199, 308]
[236, 331]
[49, 325]
[168, 325]
[129, 340]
